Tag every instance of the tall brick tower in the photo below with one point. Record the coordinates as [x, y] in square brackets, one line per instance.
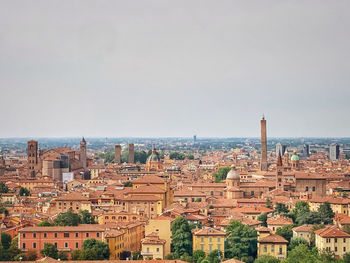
[279, 174]
[32, 156]
[2, 164]
[83, 152]
[263, 160]
[117, 154]
[131, 153]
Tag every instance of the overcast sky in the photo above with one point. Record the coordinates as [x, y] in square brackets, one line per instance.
[174, 68]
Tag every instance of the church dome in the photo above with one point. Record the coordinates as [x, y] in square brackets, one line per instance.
[294, 157]
[233, 174]
[153, 157]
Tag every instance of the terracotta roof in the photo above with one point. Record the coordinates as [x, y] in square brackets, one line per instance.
[152, 179]
[153, 238]
[208, 231]
[279, 220]
[79, 228]
[273, 238]
[113, 233]
[74, 196]
[147, 189]
[263, 229]
[142, 198]
[303, 228]
[331, 231]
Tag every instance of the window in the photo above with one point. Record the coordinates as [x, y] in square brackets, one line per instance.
[314, 188]
[328, 240]
[272, 248]
[66, 234]
[87, 234]
[306, 188]
[76, 234]
[34, 245]
[97, 234]
[219, 247]
[219, 239]
[211, 192]
[148, 250]
[344, 240]
[210, 239]
[280, 250]
[336, 249]
[344, 249]
[210, 248]
[157, 249]
[24, 245]
[265, 248]
[24, 235]
[34, 235]
[202, 239]
[55, 235]
[77, 245]
[202, 247]
[65, 244]
[55, 245]
[335, 240]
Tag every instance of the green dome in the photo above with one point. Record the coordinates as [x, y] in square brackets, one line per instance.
[153, 157]
[294, 157]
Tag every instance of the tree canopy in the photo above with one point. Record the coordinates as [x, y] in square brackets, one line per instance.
[221, 174]
[241, 241]
[181, 239]
[24, 192]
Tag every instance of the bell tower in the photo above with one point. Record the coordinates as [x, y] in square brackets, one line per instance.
[263, 160]
[32, 156]
[83, 152]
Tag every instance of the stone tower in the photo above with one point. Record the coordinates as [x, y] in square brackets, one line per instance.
[131, 154]
[83, 152]
[279, 173]
[2, 164]
[117, 154]
[263, 160]
[32, 156]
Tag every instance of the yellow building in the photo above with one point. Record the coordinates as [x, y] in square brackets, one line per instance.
[152, 247]
[338, 205]
[162, 226]
[115, 241]
[302, 231]
[278, 221]
[208, 239]
[331, 238]
[271, 244]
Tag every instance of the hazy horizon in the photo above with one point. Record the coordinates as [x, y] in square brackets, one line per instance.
[166, 69]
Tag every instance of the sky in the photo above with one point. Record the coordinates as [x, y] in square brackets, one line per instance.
[174, 68]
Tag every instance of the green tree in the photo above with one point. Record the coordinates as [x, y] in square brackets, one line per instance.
[296, 241]
[325, 213]
[266, 259]
[127, 184]
[95, 249]
[221, 174]
[241, 240]
[3, 188]
[181, 239]
[5, 240]
[45, 223]
[3, 210]
[263, 218]
[215, 256]
[77, 255]
[49, 251]
[198, 256]
[301, 208]
[67, 219]
[85, 217]
[285, 231]
[269, 203]
[140, 156]
[177, 156]
[62, 255]
[346, 257]
[281, 208]
[136, 255]
[24, 192]
[14, 251]
[301, 254]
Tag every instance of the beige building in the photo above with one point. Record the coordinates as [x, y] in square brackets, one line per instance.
[332, 239]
